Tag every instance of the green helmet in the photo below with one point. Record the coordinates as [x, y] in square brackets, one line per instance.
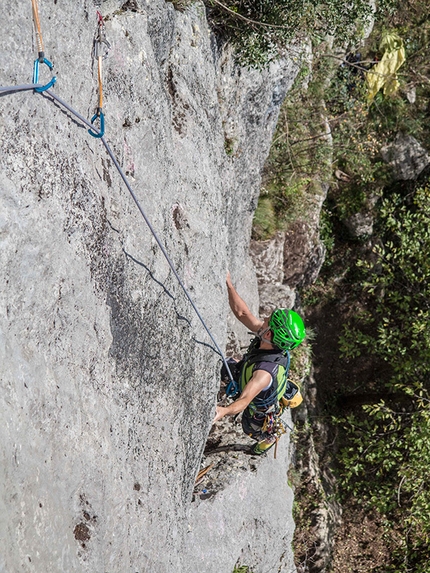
[287, 327]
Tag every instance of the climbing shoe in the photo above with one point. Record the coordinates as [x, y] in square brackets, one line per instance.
[263, 446]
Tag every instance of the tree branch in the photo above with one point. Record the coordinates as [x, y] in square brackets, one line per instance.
[244, 18]
[356, 65]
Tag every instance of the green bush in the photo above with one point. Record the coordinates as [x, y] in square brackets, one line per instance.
[386, 461]
[262, 29]
[384, 457]
[300, 156]
[264, 225]
[398, 282]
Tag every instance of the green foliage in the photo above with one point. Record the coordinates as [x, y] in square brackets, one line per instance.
[387, 458]
[398, 282]
[360, 131]
[386, 465]
[264, 225]
[326, 230]
[242, 569]
[384, 459]
[357, 140]
[229, 146]
[300, 155]
[262, 29]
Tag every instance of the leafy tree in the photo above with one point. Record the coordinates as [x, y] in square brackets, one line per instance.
[386, 462]
[262, 29]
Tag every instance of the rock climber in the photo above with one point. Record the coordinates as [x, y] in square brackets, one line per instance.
[265, 390]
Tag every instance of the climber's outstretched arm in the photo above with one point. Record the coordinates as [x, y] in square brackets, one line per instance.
[240, 308]
[260, 380]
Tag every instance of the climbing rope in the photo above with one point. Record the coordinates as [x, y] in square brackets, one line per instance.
[41, 51]
[101, 47]
[5, 90]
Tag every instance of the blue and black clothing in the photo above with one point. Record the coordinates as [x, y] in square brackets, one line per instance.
[267, 401]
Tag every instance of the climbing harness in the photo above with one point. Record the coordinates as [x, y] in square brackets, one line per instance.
[41, 52]
[262, 416]
[261, 404]
[274, 425]
[100, 49]
[48, 94]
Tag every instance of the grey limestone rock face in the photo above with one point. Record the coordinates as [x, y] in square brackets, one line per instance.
[257, 519]
[108, 385]
[268, 258]
[406, 156]
[359, 224]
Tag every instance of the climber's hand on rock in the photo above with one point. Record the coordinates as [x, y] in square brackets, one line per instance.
[220, 413]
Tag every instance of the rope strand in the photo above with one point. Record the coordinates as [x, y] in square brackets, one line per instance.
[5, 90]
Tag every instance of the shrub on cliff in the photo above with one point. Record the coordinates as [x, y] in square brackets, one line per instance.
[262, 29]
[387, 457]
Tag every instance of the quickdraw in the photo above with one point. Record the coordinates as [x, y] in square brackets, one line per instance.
[101, 50]
[101, 39]
[41, 52]
[274, 425]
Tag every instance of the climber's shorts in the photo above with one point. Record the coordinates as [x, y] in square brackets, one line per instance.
[253, 427]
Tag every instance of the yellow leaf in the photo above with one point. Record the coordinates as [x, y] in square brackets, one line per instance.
[384, 73]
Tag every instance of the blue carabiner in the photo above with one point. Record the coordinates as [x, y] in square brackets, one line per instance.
[102, 124]
[46, 86]
[232, 389]
[42, 60]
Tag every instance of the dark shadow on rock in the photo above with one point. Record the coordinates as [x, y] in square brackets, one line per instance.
[246, 448]
[170, 295]
[65, 112]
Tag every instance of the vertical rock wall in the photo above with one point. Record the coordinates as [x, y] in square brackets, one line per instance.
[107, 388]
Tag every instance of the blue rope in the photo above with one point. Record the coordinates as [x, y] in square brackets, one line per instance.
[45, 92]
